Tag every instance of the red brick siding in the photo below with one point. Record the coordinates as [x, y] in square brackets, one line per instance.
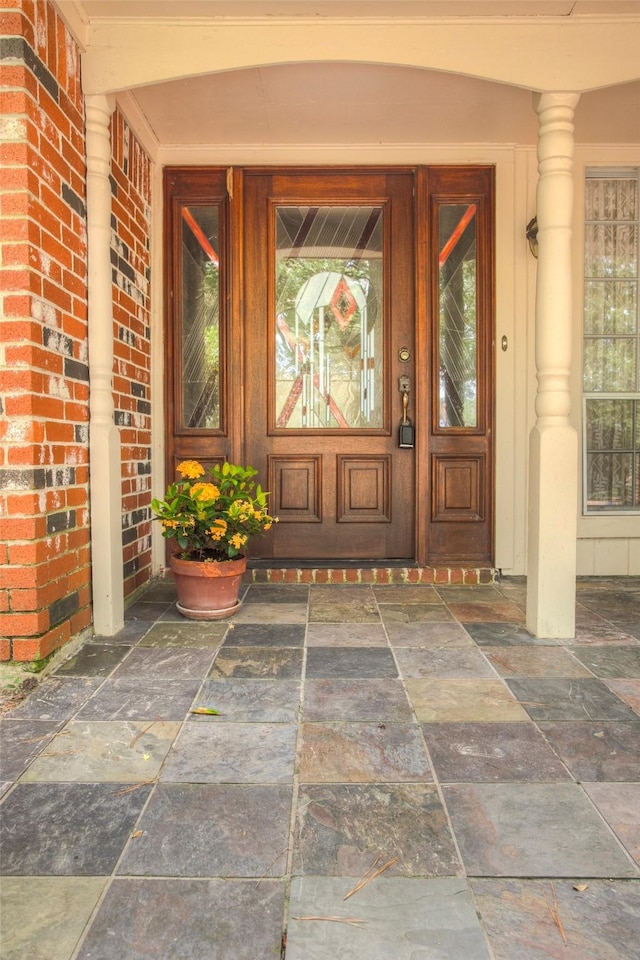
[130, 223]
[44, 538]
[44, 377]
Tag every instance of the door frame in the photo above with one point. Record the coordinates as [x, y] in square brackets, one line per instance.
[467, 523]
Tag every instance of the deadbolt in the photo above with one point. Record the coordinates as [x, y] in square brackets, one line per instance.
[404, 354]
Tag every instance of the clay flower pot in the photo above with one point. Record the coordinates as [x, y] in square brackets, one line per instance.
[208, 590]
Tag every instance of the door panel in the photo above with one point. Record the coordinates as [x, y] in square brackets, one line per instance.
[328, 302]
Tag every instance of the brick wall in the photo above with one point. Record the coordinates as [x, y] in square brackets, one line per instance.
[45, 568]
[44, 534]
[130, 224]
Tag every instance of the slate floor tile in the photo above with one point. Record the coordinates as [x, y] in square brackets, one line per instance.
[599, 923]
[569, 699]
[437, 636]
[406, 593]
[347, 662]
[341, 593]
[491, 752]
[627, 690]
[131, 633]
[232, 753]
[20, 742]
[163, 591]
[403, 918]
[449, 663]
[335, 612]
[277, 593]
[363, 753]
[147, 609]
[619, 804]
[67, 829]
[617, 605]
[111, 751]
[56, 698]
[94, 660]
[597, 751]
[451, 701]
[593, 635]
[135, 699]
[534, 662]
[43, 917]
[414, 613]
[504, 634]
[463, 593]
[166, 663]
[346, 635]
[201, 919]
[265, 635]
[212, 830]
[611, 662]
[373, 699]
[270, 701]
[342, 829]
[271, 613]
[514, 589]
[498, 611]
[282, 663]
[185, 634]
[532, 830]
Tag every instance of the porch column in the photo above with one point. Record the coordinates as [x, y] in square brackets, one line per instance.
[553, 444]
[104, 438]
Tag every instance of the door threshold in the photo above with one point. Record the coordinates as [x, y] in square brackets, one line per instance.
[367, 572]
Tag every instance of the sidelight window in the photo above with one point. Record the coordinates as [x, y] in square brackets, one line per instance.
[199, 327]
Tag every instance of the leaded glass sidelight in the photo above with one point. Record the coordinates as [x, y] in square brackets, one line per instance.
[611, 368]
[457, 316]
[199, 332]
[329, 349]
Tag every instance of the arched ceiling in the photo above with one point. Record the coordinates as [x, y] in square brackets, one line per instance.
[206, 72]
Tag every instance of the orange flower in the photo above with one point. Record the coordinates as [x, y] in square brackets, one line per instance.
[190, 469]
[205, 492]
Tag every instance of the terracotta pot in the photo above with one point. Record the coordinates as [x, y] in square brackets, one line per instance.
[208, 591]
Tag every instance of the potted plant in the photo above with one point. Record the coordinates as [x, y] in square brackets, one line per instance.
[211, 515]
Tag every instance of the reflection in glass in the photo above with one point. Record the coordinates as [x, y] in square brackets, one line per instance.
[329, 323]
[200, 330]
[613, 454]
[457, 316]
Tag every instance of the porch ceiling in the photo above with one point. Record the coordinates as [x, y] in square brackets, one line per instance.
[337, 101]
[128, 9]
[364, 103]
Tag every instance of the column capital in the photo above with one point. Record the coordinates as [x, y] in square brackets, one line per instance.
[546, 101]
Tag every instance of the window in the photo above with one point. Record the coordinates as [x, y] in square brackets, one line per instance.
[611, 373]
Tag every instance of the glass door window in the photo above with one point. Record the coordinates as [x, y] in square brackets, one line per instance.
[329, 355]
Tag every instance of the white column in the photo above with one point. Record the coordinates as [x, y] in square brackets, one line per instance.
[553, 444]
[104, 438]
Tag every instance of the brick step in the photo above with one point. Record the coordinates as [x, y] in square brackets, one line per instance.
[364, 573]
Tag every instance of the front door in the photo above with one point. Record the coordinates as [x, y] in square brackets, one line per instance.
[319, 323]
[328, 306]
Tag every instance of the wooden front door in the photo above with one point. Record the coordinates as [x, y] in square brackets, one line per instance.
[298, 303]
[329, 330]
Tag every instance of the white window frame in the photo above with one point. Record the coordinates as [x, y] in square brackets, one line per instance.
[608, 172]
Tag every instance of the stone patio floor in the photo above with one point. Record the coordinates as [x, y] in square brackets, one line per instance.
[476, 790]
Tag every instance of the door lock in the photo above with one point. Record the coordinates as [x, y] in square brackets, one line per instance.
[407, 434]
